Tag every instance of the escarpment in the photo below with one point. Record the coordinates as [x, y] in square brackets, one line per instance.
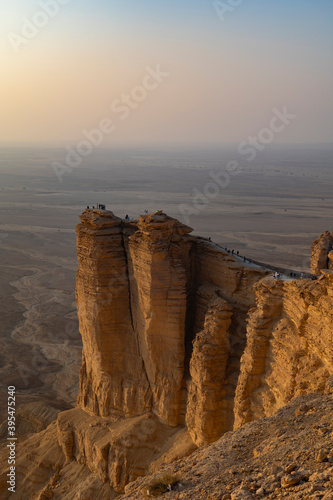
[182, 342]
[289, 349]
[144, 291]
[159, 262]
[163, 321]
[179, 335]
[112, 374]
[322, 253]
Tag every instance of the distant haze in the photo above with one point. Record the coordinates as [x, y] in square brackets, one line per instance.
[225, 75]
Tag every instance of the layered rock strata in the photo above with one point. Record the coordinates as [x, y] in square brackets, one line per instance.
[206, 416]
[144, 292]
[112, 376]
[321, 253]
[180, 336]
[289, 349]
[159, 265]
[182, 342]
[288, 455]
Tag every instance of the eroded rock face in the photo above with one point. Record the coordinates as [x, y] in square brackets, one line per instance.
[112, 376]
[320, 253]
[166, 341]
[206, 417]
[289, 348]
[144, 292]
[275, 457]
[182, 342]
[132, 304]
[159, 265]
[117, 451]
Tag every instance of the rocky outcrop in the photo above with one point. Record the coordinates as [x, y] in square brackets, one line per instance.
[162, 317]
[177, 331]
[159, 265]
[320, 250]
[117, 451]
[289, 349]
[144, 292]
[182, 342]
[205, 418]
[112, 376]
[288, 455]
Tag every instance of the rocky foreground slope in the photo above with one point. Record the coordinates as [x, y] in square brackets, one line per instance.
[182, 342]
[288, 455]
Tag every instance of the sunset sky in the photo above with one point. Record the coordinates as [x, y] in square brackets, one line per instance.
[225, 75]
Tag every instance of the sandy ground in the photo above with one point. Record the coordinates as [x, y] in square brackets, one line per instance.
[270, 212]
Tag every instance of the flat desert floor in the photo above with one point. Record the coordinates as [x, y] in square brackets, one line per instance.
[271, 211]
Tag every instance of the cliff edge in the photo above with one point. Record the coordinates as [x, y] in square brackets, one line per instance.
[182, 343]
[322, 253]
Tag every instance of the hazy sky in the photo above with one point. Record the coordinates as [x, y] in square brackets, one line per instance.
[227, 70]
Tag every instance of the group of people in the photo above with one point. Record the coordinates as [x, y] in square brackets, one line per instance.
[232, 252]
[276, 274]
[294, 275]
[146, 212]
[99, 206]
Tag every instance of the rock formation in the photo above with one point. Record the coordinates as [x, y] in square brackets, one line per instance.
[322, 256]
[182, 342]
[162, 317]
[288, 455]
[289, 349]
[144, 291]
[112, 375]
[206, 416]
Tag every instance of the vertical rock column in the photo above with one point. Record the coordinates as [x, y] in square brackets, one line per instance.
[261, 323]
[159, 263]
[289, 351]
[321, 256]
[112, 376]
[206, 409]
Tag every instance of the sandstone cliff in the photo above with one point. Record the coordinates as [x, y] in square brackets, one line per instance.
[289, 349]
[144, 292]
[112, 374]
[289, 455]
[321, 258]
[182, 342]
[163, 321]
[179, 334]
